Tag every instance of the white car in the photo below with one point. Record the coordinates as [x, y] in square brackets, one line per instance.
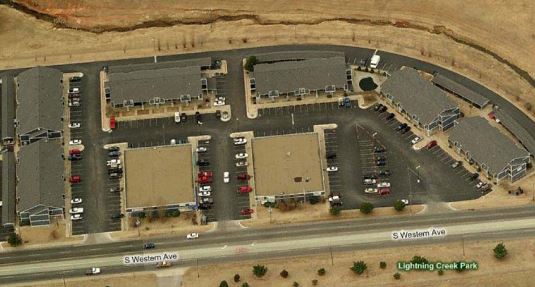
[241, 155]
[242, 163]
[219, 103]
[369, 181]
[416, 140]
[74, 103]
[406, 201]
[226, 177]
[93, 271]
[76, 210]
[205, 188]
[177, 117]
[192, 235]
[76, 200]
[74, 90]
[370, 190]
[75, 142]
[480, 184]
[383, 184]
[204, 193]
[76, 216]
[332, 168]
[238, 141]
[74, 125]
[201, 149]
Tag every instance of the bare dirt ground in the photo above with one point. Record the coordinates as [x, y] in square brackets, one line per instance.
[53, 234]
[516, 270]
[484, 40]
[140, 279]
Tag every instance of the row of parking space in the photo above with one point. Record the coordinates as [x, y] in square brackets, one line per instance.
[304, 109]
[147, 123]
[375, 166]
[155, 142]
[205, 202]
[331, 150]
[385, 66]
[282, 131]
[241, 186]
[113, 213]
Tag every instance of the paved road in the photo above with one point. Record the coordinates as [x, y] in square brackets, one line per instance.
[268, 243]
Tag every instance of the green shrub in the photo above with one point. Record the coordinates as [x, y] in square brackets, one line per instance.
[366, 207]
[359, 267]
[321, 271]
[382, 265]
[250, 62]
[397, 276]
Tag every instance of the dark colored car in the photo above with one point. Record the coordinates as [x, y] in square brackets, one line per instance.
[117, 215]
[115, 189]
[331, 156]
[243, 176]
[405, 130]
[113, 148]
[198, 117]
[75, 156]
[401, 126]
[183, 117]
[115, 175]
[115, 170]
[381, 158]
[390, 116]
[75, 79]
[382, 109]
[474, 176]
[380, 163]
[377, 107]
[218, 114]
[114, 153]
[379, 149]
[149, 245]
[202, 162]
[384, 172]
[370, 176]
[431, 144]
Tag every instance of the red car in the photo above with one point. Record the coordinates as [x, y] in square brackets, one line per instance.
[245, 189]
[75, 179]
[112, 122]
[492, 116]
[206, 173]
[243, 176]
[431, 144]
[204, 179]
[246, 211]
[384, 191]
[74, 151]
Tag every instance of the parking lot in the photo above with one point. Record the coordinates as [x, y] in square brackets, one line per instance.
[331, 152]
[242, 198]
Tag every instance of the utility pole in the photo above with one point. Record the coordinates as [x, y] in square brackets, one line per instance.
[410, 190]
[332, 258]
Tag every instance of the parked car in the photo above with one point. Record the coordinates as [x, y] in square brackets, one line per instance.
[75, 157]
[226, 177]
[74, 125]
[92, 271]
[331, 156]
[370, 190]
[382, 109]
[240, 141]
[405, 201]
[401, 126]
[241, 163]
[204, 193]
[74, 90]
[149, 245]
[204, 179]
[76, 200]
[77, 216]
[246, 211]
[245, 189]
[480, 184]
[384, 191]
[192, 235]
[75, 179]
[75, 142]
[203, 162]
[113, 148]
[207, 173]
[332, 168]
[183, 117]
[390, 116]
[377, 107]
[74, 103]
[380, 163]
[416, 140]
[218, 103]
[116, 189]
[369, 181]
[207, 200]
[115, 175]
[198, 118]
[113, 162]
[205, 188]
[474, 176]
[243, 176]
[115, 170]
[379, 149]
[456, 163]
[201, 149]
[74, 151]
[383, 184]
[384, 172]
[381, 158]
[117, 215]
[405, 130]
[241, 155]
[431, 144]
[114, 153]
[370, 176]
[177, 117]
[75, 210]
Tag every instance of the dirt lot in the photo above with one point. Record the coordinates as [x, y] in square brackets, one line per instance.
[516, 270]
[139, 279]
[280, 160]
[434, 31]
[159, 176]
[53, 234]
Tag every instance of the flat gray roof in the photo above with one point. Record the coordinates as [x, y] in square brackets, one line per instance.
[200, 62]
[416, 95]
[8, 107]
[486, 144]
[40, 99]
[40, 175]
[517, 130]
[165, 83]
[8, 187]
[460, 90]
[313, 74]
[296, 55]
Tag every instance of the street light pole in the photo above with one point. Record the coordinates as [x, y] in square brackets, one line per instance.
[410, 190]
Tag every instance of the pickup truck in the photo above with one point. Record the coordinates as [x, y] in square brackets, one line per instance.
[92, 271]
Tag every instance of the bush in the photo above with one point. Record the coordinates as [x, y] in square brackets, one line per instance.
[172, 213]
[250, 62]
[397, 276]
[366, 207]
[440, 272]
[259, 270]
[268, 204]
[399, 205]
[334, 211]
[284, 273]
[359, 267]
[528, 106]
[315, 282]
[14, 239]
[314, 199]
[236, 278]
[500, 251]
[321, 271]
[419, 260]
[295, 284]
[245, 284]
[223, 284]
[382, 265]
[141, 214]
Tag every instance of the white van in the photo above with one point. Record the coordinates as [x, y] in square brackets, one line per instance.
[177, 117]
[173, 141]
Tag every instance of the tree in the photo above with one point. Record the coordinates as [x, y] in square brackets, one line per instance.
[250, 62]
[440, 272]
[359, 267]
[382, 265]
[14, 239]
[259, 270]
[321, 271]
[142, 214]
[399, 205]
[223, 284]
[295, 284]
[417, 259]
[335, 211]
[314, 282]
[397, 276]
[236, 278]
[314, 199]
[500, 251]
[284, 273]
[245, 284]
[172, 213]
[366, 207]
